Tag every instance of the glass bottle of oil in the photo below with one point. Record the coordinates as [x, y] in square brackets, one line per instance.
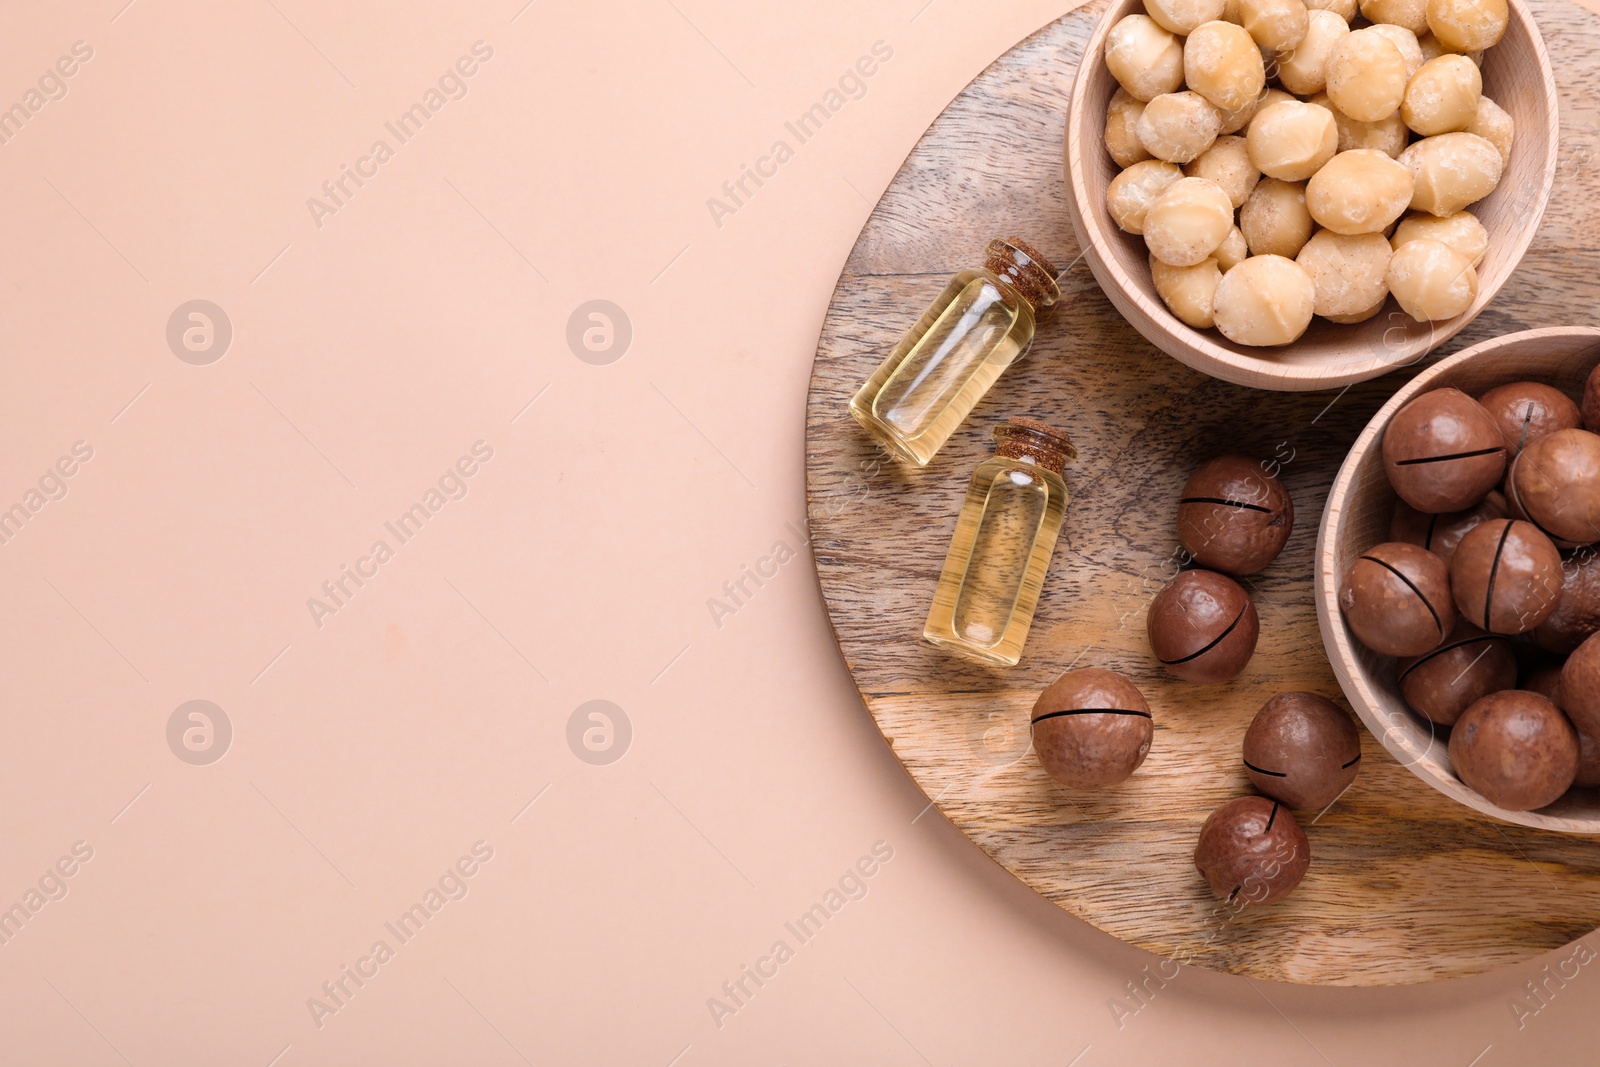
[979, 326]
[1002, 545]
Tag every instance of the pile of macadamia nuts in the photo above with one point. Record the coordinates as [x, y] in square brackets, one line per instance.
[1488, 589]
[1264, 204]
[1092, 728]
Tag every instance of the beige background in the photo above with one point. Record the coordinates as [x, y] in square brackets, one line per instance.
[370, 753]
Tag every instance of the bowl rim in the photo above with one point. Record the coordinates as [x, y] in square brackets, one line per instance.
[1336, 638]
[1199, 348]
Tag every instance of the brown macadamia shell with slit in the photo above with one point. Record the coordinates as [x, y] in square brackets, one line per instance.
[1091, 728]
[1440, 534]
[1233, 516]
[1252, 849]
[1302, 749]
[1203, 627]
[1506, 576]
[1443, 452]
[1396, 598]
[1466, 667]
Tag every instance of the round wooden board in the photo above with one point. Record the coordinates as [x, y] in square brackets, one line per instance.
[1405, 885]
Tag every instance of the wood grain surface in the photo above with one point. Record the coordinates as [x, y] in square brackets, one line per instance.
[1405, 884]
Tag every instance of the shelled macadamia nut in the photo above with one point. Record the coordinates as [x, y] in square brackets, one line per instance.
[1189, 292]
[1274, 219]
[1493, 124]
[1467, 25]
[1291, 139]
[1183, 16]
[1360, 316]
[1347, 271]
[1366, 75]
[1276, 24]
[1432, 281]
[1389, 135]
[1122, 136]
[1187, 222]
[1442, 97]
[1222, 64]
[1234, 121]
[1461, 231]
[1145, 59]
[1404, 40]
[1345, 9]
[1264, 301]
[1432, 49]
[1304, 70]
[1177, 127]
[1360, 191]
[1131, 193]
[1451, 170]
[1233, 250]
[1227, 163]
[1412, 14]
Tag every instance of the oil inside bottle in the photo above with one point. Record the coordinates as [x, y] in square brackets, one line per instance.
[979, 325]
[1001, 549]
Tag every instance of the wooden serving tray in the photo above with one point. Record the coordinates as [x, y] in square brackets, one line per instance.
[1405, 884]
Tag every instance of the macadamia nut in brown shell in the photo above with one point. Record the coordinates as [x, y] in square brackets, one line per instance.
[1091, 728]
[1443, 452]
[1233, 516]
[1555, 482]
[1506, 576]
[1466, 667]
[1396, 598]
[1252, 850]
[1515, 749]
[1302, 749]
[1203, 627]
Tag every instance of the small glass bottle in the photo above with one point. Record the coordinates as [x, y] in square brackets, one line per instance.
[979, 326]
[1002, 545]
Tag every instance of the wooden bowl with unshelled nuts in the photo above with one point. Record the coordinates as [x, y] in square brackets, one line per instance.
[1458, 577]
[1286, 202]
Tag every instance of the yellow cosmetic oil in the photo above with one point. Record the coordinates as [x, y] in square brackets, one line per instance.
[1001, 549]
[981, 324]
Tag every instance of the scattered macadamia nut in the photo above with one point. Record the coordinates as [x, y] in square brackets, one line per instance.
[1227, 163]
[1234, 516]
[1222, 64]
[1452, 170]
[1145, 59]
[1404, 40]
[1276, 24]
[1131, 193]
[1302, 749]
[1493, 124]
[1091, 728]
[1515, 749]
[1467, 25]
[1366, 76]
[1461, 231]
[1188, 222]
[1412, 14]
[1304, 70]
[1183, 16]
[1252, 851]
[1274, 218]
[1203, 627]
[1432, 281]
[1506, 576]
[1443, 452]
[1122, 135]
[1291, 140]
[1232, 251]
[1443, 96]
[1265, 301]
[1396, 598]
[1189, 292]
[1177, 127]
[1361, 191]
[1347, 272]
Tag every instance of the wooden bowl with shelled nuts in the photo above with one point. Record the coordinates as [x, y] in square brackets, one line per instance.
[1516, 75]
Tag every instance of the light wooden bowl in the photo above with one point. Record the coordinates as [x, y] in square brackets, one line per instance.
[1360, 505]
[1516, 75]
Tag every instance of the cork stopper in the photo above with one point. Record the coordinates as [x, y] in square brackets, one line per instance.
[1028, 272]
[1023, 438]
